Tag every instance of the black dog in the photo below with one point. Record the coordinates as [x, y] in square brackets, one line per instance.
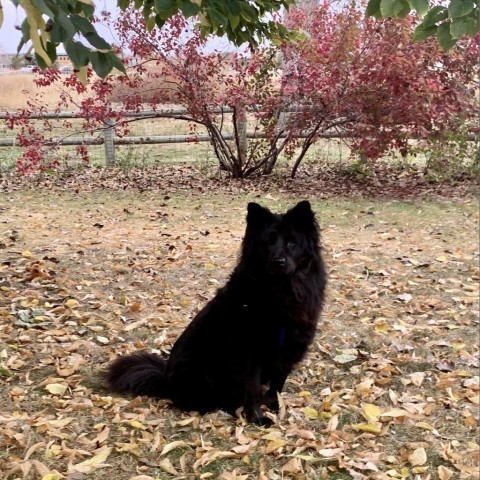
[252, 333]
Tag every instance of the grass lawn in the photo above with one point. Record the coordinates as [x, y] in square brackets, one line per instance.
[389, 390]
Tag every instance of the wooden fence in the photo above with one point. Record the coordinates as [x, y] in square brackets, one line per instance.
[110, 140]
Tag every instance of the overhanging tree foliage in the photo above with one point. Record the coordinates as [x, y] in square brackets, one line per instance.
[71, 23]
[448, 21]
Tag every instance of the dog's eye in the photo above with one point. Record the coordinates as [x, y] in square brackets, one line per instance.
[291, 245]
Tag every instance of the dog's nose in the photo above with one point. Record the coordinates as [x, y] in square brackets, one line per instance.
[280, 261]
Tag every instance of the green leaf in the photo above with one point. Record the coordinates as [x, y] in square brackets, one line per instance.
[233, 8]
[123, 4]
[421, 33]
[420, 6]
[392, 8]
[51, 50]
[87, 9]
[101, 63]
[150, 22]
[65, 22]
[166, 8]
[435, 15]
[25, 35]
[82, 24]
[189, 9]
[247, 12]
[165, 5]
[40, 61]
[42, 7]
[463, 27]
[445, 37]
[459, 8]
[96, 41]
[159, 22]
[405, 11]
[373, 9]
[5, 372]
[117, 63]
[234, 21]
[57, 33]
[78, 53]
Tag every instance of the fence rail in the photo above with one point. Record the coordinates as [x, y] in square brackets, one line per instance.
[108, 138]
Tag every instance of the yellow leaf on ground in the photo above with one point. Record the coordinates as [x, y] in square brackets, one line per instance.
[26, 253]
[166, 466]
[444, 473]
[173, 445]
[371, 412]
[310, 412]
[418, 457]
[293, 466]
[71, 303]
[274, 445]
[60, 422]
[381, 326]
[475, 399]
[424, 425]
[92, 463]
[395, 412]
[458, 345]
[373, 427]
[56, 388]
[136, 424]
[142, 477]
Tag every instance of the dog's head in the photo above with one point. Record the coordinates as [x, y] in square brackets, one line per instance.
[280, 244]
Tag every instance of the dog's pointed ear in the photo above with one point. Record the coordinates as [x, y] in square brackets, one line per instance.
[302, 216]
[258, 215]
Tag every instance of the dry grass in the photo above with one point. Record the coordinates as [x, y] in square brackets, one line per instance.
[17, 88]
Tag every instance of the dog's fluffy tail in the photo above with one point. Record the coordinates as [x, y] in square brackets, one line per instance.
[139, 374]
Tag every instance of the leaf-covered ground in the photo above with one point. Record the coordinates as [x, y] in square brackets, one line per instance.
[390, 389]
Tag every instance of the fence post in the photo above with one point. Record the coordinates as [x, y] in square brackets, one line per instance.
[108, 138]
[241, 127]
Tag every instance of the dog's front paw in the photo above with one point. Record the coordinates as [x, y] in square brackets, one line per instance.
[271, 401]
[265, 421]
[257, 417]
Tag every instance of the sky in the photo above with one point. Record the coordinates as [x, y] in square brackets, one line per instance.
[10, 37]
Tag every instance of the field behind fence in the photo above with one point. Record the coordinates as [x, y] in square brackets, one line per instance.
[151, 141]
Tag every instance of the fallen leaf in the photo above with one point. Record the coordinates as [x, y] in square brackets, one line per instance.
[405, 297]
[56, 388]
[166, 466]
[345, 358]
[444, 473]
[92, 463]
[310, 412]
[371, 427]
[371, 412]
[274, 445]
[417, 378]
[418, 457]
[172, 446]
